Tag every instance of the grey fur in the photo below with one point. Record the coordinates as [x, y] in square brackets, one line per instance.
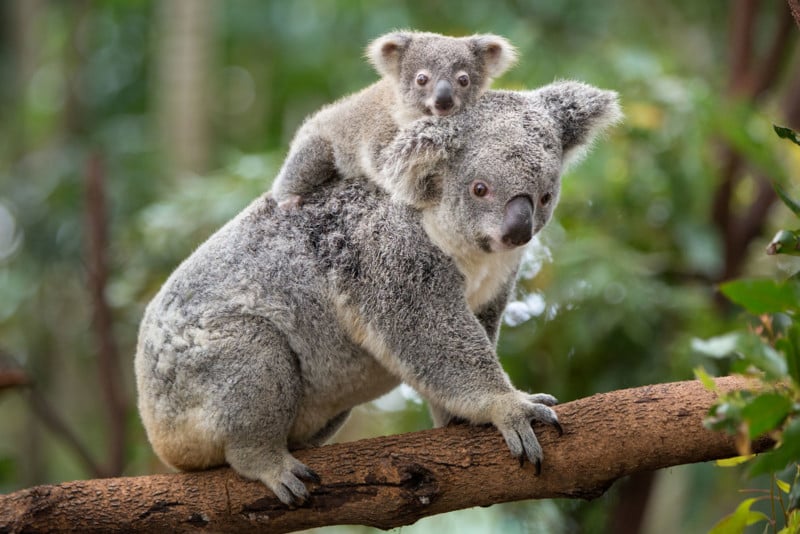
[265, 337]
[348, 135]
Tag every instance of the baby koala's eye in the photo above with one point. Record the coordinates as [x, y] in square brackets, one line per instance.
[480, 189]
[463, 80]
[422, 79]
[545, 199]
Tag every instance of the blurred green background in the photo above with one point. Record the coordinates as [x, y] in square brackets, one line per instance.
[181, 112]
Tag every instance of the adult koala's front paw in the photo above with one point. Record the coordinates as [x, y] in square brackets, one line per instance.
[513, 413]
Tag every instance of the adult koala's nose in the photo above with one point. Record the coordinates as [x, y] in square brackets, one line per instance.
[517, 228]
[443, 95]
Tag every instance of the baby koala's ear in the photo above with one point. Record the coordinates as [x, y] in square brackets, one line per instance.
[386, 51]
[497, 53]
[581, 111]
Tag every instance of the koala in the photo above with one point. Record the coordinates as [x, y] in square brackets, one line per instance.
[423, 74]
[263, 340]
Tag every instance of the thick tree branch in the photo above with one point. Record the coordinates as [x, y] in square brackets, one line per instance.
[395, 480]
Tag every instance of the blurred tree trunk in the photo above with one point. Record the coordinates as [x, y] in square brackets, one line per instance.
[753, 77]
[183, 86]
[23, 24]
[396, 480]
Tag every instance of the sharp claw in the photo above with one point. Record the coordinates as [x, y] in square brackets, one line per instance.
[309, 474]
[521, 460]
[538, 466]
[558, 428]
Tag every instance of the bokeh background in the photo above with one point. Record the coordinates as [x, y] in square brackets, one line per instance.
[130, 130]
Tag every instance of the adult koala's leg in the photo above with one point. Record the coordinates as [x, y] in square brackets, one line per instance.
[330, 428]
[260, 407]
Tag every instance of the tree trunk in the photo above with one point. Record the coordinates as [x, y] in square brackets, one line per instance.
[395, 480]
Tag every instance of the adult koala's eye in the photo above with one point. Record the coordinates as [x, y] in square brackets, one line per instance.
[422, 79]
[545, 199]
[480, 189]
[463, 80]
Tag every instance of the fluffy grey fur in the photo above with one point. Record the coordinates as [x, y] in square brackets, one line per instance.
[265, 337]
[348, 135]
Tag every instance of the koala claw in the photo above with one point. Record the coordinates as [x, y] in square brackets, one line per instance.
[288, 485]
[542, 398]
[515, 425]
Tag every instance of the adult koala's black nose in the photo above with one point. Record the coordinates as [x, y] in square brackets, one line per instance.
[443, 95]
[517, 226]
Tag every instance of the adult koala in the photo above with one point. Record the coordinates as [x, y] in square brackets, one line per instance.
[265, 338]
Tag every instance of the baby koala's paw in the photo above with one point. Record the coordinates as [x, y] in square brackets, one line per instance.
[430, 134]
[513, 414]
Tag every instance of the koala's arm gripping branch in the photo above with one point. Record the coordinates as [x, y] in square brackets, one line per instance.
[396, 480]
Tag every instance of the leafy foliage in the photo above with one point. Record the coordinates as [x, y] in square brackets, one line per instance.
[769, 352]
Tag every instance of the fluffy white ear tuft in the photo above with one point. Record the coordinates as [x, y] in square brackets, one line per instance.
[497, 52]
[386, 51]
[582, 112]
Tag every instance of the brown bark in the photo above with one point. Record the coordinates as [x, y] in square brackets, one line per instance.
[396, 480]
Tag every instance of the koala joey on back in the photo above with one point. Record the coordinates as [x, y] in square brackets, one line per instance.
[423, 74]
[272, 330]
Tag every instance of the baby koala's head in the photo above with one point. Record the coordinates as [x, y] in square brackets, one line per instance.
[439, 75]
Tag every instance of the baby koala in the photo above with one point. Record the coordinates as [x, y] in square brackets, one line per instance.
[423, 74]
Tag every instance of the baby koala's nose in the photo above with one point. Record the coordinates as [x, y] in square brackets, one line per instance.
[443, 96]
[517, 228]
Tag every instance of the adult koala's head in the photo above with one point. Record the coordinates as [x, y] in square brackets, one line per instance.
[490, 178]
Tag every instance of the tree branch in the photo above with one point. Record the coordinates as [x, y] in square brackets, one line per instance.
[396, 480]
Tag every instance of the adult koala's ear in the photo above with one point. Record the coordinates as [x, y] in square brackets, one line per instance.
[581, 112]
[497, 54]
[386, 51]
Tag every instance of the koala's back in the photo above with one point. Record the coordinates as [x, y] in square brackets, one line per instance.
[354, 125]
[266, 273]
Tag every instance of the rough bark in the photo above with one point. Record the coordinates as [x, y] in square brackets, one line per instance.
[395, 480]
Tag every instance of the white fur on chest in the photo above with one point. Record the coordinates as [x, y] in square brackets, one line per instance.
[485, 273]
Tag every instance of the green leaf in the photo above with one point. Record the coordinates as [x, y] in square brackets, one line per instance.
[783, 486]
[786, 133]
[705, 379]
[766, 412]
[785, 242]
[791, 203]
[792, 524]
[790, 346]
[726, 416]
[716, 347]
[736, 460]
[738, 520]
[763, 295]
[788, 452]
[794, 495]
